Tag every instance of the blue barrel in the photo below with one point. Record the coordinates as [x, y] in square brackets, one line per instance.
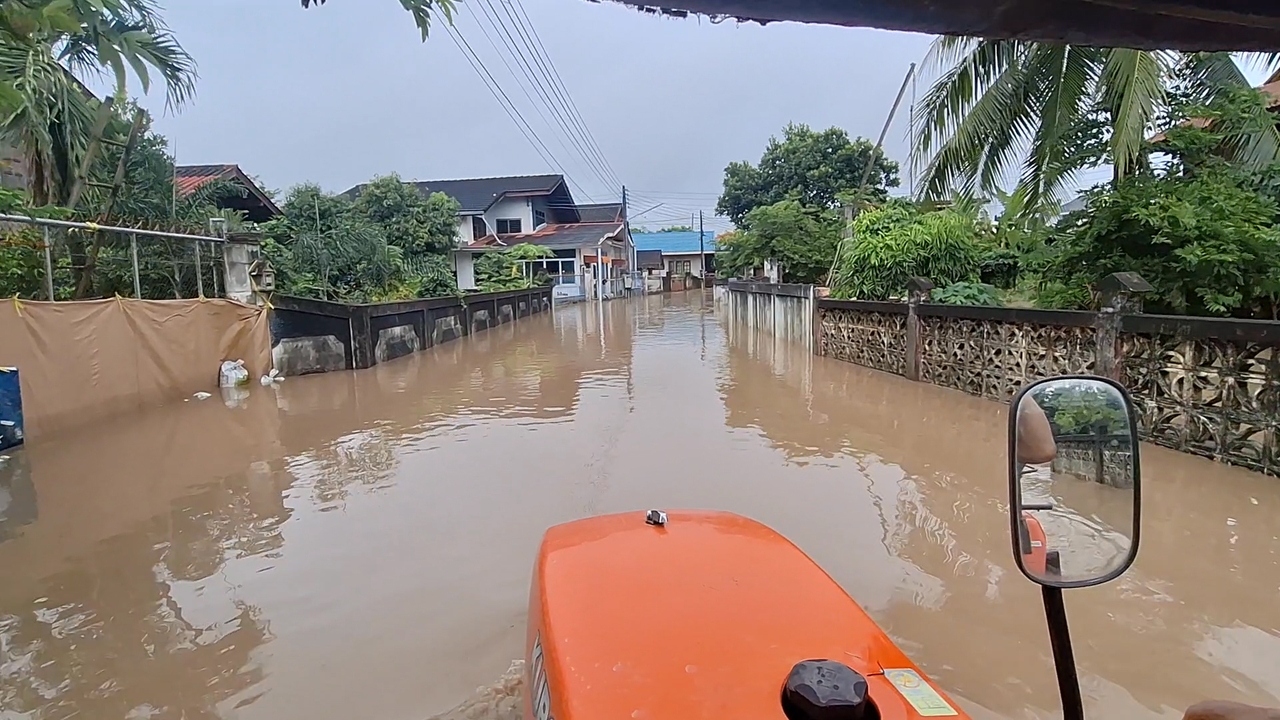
[10, 409]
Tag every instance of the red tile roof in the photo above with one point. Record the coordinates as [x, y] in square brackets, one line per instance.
[189, 178]
[577, 234]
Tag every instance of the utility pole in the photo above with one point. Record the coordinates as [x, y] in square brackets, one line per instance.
[633, 259]
[851, 213]
[866, 171]
[702, 252]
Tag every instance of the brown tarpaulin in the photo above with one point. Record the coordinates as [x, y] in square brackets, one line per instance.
[81, 362]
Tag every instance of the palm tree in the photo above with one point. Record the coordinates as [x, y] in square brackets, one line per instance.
[420, 9]
[1050, 110]
[44, 108]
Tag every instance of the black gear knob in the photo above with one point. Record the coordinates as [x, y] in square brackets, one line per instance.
[824, 690]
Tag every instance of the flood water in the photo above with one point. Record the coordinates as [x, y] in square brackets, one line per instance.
[359, 545]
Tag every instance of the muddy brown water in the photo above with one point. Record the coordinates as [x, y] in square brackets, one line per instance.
[360, 544]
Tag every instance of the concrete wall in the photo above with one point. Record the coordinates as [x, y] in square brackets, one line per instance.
[312, 336]
[783, 311]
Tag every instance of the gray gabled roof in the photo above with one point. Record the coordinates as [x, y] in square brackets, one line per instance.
[476, 195]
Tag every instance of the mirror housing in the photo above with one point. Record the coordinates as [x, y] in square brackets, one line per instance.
[1074, 481]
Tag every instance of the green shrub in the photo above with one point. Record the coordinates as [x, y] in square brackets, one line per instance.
[967, 293]
[895, 243]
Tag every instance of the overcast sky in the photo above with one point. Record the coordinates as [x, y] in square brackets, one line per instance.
[340, 93]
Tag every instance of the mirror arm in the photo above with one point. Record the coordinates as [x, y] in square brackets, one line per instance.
[1063, 658]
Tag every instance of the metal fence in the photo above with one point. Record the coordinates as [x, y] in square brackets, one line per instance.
[58, 260]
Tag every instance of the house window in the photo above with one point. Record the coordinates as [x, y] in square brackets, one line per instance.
[680, 267]
[509, 227]
[539, 219]
[478, 228]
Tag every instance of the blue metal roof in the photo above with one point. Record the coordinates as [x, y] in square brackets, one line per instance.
[674, 243]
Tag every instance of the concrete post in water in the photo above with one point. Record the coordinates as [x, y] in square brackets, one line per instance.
[1120, 296]
[918, 289]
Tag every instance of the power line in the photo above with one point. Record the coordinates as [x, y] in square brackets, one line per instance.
[498, 94]
[558, 80]
[520, 52]
[654, 200]
[677, 193]
[523, 88]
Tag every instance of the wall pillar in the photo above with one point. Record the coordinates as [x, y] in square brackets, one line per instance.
[815, 315]
[1121, 295]
[361, 339]
[238, 256]
[918, 289]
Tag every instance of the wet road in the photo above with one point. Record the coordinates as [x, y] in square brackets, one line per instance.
[360, 545]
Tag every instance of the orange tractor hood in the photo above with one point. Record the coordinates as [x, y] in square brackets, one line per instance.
[701, 618]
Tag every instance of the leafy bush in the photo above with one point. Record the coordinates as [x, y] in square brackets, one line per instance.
[1000, 267]
[1080, 411]
[502, 270]
[1208, 244]
[1201, 228]
[386, 246]
[895, 243]
[967, 293]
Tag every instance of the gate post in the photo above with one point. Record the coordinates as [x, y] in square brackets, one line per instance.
[817, 294]
[1120, 296]
[918, 289]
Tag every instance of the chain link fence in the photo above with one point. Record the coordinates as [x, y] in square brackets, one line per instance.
[57, 260]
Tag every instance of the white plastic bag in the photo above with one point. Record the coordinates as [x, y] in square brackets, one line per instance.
[233, 374]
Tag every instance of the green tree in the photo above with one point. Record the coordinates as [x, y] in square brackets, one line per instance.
[99, 264]
[44, 108]
[1200, 228]
[93, 34]
[1049, 110]
[420, 9]
[811, 167]
[802, 239]
[896, 242]
[418, 225]
[378, 249]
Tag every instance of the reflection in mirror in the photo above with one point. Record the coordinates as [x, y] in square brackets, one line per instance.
[1075, 490]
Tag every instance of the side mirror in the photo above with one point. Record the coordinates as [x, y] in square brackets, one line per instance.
[1074, 481]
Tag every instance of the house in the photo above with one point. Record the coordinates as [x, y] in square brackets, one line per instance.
[682, 253]
[592, 246]
[255, 204]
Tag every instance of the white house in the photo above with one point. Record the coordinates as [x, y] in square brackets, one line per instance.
[683, 253]
[499, 212]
